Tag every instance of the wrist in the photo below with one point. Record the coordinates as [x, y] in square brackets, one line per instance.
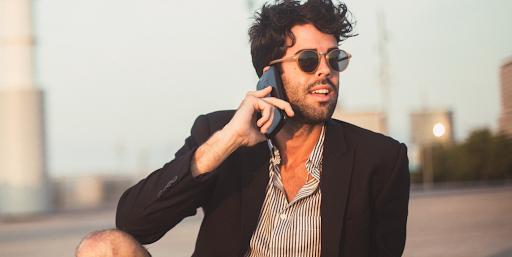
[231, 137]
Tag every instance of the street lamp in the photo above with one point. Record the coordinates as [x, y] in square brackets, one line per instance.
[428, 169]
[439, 130]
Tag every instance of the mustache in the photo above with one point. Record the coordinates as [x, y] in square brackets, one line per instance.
[322, 82]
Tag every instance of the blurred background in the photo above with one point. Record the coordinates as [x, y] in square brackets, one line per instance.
[94, 95]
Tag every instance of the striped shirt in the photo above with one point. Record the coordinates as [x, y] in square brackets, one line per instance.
[290, 229]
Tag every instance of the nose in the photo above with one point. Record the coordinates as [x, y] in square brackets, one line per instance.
[323, 67]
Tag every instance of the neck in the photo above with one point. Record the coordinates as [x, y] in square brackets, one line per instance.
[296, 141]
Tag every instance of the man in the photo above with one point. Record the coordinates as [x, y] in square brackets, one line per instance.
[320, 187]
[110, 243]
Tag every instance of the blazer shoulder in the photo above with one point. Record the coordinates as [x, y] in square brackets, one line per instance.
[223, 116]
[207, 124]
[204, 126]
[368, 140]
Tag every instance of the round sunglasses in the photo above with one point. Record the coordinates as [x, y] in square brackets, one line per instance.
[309, 60]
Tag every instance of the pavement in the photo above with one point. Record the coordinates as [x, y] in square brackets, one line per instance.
[474, 221]
[460, 222]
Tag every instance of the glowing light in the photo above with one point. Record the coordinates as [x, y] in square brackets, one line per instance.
[439, 130]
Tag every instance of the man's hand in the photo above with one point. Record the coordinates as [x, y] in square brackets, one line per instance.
[243, 130]
[244, 125]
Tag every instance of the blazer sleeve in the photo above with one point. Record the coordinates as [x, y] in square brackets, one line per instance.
[391, 209]
[157, 203]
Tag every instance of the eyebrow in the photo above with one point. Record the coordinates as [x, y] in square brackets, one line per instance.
[315, 50]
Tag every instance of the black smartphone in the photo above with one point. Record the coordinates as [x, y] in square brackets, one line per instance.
[272, 78]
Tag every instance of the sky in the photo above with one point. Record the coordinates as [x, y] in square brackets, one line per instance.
[125, 80]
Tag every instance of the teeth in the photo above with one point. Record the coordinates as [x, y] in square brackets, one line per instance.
[321, 91]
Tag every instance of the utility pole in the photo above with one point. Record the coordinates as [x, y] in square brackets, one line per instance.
[383, 62]
[250, 5]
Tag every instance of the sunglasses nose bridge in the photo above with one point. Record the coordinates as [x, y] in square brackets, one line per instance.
[326, 58]
[324, 54]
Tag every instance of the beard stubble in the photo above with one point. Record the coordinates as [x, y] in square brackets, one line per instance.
[305, 113]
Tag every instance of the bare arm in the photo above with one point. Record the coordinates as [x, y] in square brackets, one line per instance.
[242, 130]
[157, 203]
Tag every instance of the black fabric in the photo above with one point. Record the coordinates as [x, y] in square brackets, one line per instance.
[365, 192]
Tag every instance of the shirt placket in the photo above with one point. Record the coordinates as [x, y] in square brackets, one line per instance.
[282, 226]
[281, 220]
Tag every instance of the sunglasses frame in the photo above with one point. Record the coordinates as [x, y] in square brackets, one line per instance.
[296, 59]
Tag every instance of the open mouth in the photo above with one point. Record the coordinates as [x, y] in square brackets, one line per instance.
[321, 91]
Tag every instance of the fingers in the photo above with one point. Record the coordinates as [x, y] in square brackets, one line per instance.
[281, 104]
[266, 119]
[266, 114]
[245, 124]
[260, 93]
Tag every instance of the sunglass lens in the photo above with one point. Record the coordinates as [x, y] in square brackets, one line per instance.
[338, 60]
[308, 61]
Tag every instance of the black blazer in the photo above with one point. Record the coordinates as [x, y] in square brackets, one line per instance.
[365, 193]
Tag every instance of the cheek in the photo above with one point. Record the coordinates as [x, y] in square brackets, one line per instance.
[289, 67]
[291, 88]
[335, 78]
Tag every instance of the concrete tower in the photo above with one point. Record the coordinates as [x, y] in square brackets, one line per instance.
[24, 187]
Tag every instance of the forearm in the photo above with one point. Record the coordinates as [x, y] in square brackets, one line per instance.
[244, 129]
[214, 151]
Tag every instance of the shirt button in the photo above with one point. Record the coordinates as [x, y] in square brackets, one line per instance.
[283, 216]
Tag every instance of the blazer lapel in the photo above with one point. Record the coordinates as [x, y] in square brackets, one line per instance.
[337, 166]
[255, 177]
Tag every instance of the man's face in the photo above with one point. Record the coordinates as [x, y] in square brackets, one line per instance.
[313, 96]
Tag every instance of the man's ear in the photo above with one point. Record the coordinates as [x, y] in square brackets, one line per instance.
[266, 69]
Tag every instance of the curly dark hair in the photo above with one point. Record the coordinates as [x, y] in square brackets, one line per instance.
[273, 25]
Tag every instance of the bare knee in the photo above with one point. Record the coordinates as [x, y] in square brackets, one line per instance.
[110, 243]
